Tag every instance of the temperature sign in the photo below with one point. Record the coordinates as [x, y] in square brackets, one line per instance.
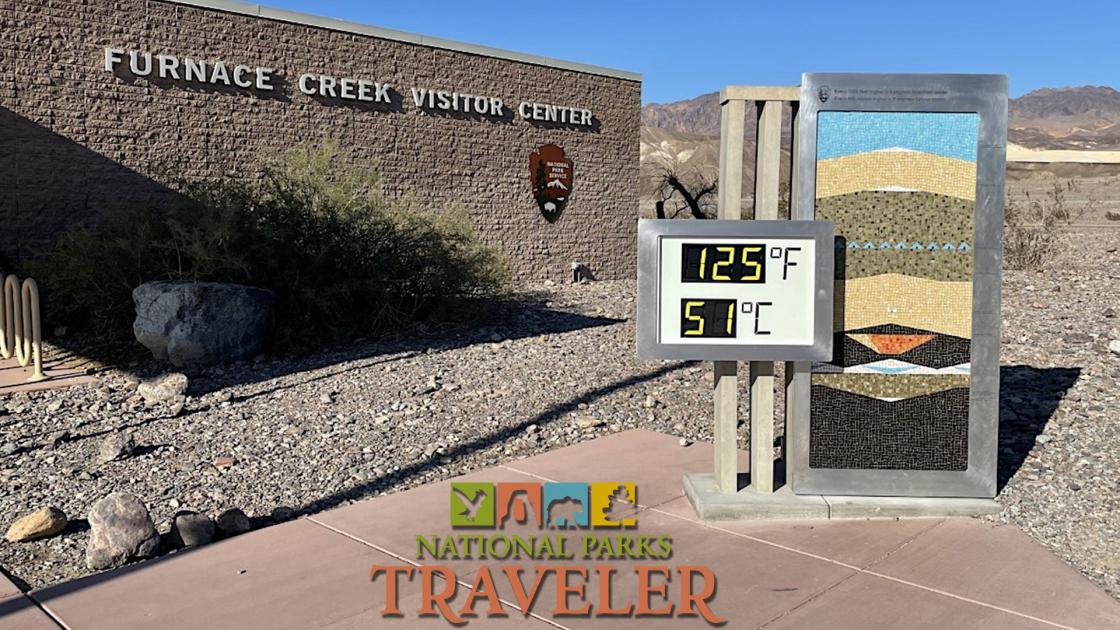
[735, 290]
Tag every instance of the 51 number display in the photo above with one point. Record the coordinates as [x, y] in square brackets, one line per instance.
[708, 318]
[716, 318]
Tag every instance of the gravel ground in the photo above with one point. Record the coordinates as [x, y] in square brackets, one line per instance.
[1060, 432]
[311, 433]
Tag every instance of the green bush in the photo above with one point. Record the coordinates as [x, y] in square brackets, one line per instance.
[340, 259]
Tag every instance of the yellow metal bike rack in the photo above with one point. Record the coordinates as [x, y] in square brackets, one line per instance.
[21, 329]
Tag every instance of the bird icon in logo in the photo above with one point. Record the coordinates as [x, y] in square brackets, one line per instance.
[471, 505]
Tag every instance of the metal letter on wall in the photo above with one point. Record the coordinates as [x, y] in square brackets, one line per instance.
[910, 168]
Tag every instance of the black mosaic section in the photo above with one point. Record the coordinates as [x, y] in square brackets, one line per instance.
[850, 431]
[940, 352]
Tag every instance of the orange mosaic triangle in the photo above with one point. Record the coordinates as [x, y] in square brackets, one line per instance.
[891, 344]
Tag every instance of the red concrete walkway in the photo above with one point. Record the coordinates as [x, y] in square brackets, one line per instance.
[314, 572]
[59, 373]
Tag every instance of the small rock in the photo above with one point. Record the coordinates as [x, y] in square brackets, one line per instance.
[684, 442]
[58, 437]
[1109, 312]
[1114, 346]
[650, 402]
[326, 398]
[282, 513]
[9, 448]
[531, 429]
[233, 522]
[587, 422]
[163, 388]
[190, 529]
[120, 530]
[118, 445]
[224, 462]
[41, 523]
[176, 409]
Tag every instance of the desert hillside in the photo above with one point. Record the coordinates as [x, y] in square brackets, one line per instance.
[1056, 135]
[1085, 118]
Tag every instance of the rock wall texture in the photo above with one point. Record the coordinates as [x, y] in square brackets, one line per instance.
[75, 138]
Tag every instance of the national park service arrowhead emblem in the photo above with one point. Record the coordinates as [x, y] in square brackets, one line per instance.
[551, 174]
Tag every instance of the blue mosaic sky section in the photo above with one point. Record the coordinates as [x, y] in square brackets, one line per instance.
[944, 134]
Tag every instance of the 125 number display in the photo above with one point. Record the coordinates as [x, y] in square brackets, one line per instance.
[723, 263]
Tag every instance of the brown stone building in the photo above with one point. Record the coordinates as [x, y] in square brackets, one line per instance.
[99, 98]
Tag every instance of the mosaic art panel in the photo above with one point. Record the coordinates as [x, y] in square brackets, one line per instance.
[927, 432]
[900, 188]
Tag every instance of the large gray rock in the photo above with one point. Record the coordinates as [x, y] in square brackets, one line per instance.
[201, 323]
[120, 530]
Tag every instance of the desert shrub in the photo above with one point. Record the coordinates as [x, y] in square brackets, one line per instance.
[1028, 234]
[1111, 216]
[339, 258]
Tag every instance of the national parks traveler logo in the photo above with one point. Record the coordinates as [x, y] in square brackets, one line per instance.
[532, 539]
[551, 174]
[547, 506]
[824, 93]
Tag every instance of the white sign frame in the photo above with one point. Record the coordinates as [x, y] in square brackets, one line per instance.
[654, 234]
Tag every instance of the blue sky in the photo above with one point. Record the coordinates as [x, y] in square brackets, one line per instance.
[686, 48]
[948, 135]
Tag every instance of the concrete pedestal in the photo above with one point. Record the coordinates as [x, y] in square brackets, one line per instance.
[712, 505]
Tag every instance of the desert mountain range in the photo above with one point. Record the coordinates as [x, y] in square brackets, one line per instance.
[1085, 118]
[1056, 121]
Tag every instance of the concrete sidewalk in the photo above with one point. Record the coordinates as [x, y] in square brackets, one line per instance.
[314, 572]
[13, 376]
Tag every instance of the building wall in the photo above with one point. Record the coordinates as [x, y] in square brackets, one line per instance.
[75, 138]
